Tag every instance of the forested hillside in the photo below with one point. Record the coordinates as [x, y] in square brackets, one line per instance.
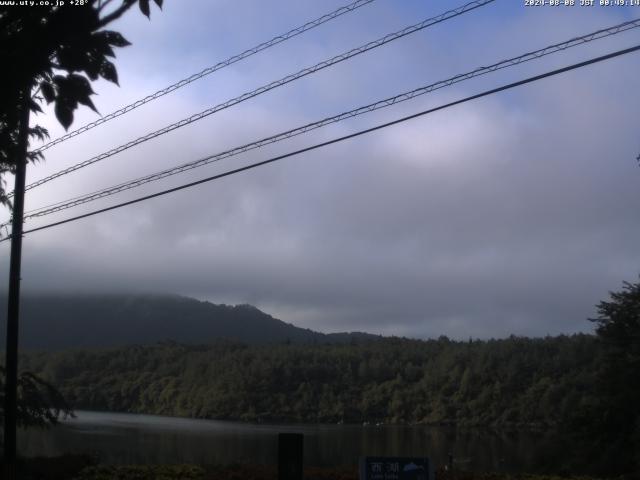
[515, 382]
[54, 322]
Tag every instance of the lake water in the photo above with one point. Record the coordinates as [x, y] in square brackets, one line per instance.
[123, 438]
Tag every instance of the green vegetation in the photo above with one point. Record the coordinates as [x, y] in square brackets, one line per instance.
[615, 418]
[516, 382]
[82, 468]
[53, 54]
[582, 384]
[236, 472]
[146, 472]
[39, 403]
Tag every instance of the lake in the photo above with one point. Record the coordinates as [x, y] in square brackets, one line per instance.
[123, 438]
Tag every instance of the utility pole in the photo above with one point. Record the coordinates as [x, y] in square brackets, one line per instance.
[13, 309]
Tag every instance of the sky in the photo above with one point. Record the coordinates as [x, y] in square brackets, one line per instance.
[512, 214]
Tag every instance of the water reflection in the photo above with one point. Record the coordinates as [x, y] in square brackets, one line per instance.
[126, 438]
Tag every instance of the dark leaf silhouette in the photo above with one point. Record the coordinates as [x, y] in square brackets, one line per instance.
[64, 113]
[33, 105]
[48, 92]
[40, 404]
[87, 102]
[80, 89]
[108, 72]
[115, 38]
[39, 132]
[144, 8]
[59, 50]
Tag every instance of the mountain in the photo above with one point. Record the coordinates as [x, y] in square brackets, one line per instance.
[53, 322]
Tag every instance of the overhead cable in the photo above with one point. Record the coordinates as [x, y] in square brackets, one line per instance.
[209, 70]
[79, 200]
[339, 139]
[270, 86]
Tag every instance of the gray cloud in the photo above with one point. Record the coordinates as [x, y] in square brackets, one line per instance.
[513, 214]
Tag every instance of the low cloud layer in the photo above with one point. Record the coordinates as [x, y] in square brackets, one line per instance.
[514, 214]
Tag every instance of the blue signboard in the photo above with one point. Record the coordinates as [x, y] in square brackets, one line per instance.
[395, 468]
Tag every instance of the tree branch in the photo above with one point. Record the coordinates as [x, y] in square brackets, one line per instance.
[126, 5]
[103, 4]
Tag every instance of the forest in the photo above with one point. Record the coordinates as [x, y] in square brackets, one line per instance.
[510, 383]
[582, 385]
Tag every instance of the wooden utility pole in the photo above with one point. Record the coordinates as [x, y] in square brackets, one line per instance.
[13, 308]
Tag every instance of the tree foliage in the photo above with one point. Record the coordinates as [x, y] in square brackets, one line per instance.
[618, 322]
[552, 384]
[52, 54]
[511, 383]
[40, 404]
[617, 418]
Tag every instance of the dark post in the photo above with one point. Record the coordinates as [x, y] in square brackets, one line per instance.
[290, 453]
[13, 309]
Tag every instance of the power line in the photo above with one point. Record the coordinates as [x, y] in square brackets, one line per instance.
[340, 139]
[209, 70]
[265, 88]
[79, 200]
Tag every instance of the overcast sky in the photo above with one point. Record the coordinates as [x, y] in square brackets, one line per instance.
[513, 214]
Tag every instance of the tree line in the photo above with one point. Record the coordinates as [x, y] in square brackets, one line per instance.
[583, 385]
[511, 383]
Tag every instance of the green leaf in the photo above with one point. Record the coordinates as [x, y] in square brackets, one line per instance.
[108, 72]
[48, 92]
[34, 107]
[80, 85]
[73, 89]
[144, 8]
[100, 45]
[92, 68]
[86, 101]
[39, 132]
[64, 113]
[33, 157]
[115, 38]
[71, 58]
[59, 80]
